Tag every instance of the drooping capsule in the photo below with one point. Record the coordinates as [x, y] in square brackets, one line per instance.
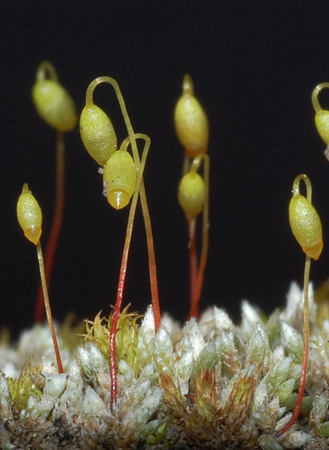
[191, 122]
[306, 227]
[119, 179]
[191, 193]
[52, 101]
[321, 115]
[29, 215]
[304, 220]
[97, 133]
[322, 124]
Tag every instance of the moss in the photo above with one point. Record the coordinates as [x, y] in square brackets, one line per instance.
[210, 384]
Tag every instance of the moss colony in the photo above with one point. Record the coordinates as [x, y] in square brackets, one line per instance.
[132, 381]
[210, 384]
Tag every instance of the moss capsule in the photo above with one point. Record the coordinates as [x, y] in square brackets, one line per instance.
[322, 125]
[97, 133]
[52, 101]
[119, 178]
[321, 115]
[29, 215]
[305, 222]
[306, 227]
[191, 193]
[120, 183]
[191, 122]
[30, 219]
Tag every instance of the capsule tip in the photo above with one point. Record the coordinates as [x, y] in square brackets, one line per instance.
[118, 199]
[33, 234]
[314, 251]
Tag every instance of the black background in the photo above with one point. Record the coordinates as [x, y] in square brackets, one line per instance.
[254, 65]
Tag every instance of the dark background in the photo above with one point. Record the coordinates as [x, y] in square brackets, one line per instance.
[254, 65]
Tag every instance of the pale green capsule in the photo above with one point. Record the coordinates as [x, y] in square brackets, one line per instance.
[54, 104]
[306, 225]
[191, 193]
[191, 121]
[119, 178]
[97, 133]
[322, 124]
[29, 215]
[321, 115]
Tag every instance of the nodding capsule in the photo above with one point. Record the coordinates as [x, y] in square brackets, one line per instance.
[29, 215]
[191, 121]
[191, 193]
[52, 101]
[119, 179]
[304, 220]
[97, 133]
[321, 115]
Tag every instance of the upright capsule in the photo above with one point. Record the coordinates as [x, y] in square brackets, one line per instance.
[119, 179]
[52, 101]
[29, 215]
[191, 122]
[304, 220]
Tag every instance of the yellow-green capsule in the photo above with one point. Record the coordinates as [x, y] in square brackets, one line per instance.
[54, 105]
[322, 124]
[97, 133]
[321, 115]
[191, 122]
[119, 178]
[305, 222]
[191, 193]
[29, 215]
